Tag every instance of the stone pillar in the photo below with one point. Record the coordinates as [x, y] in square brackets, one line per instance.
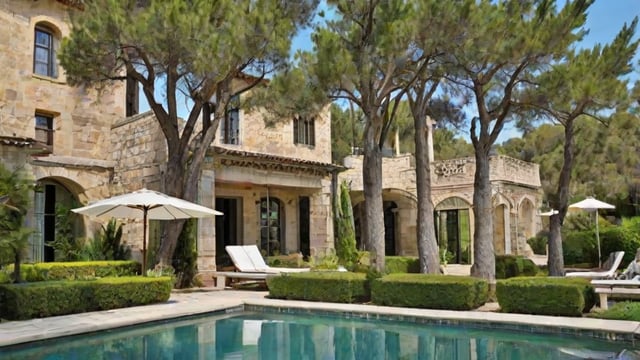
[206, 226]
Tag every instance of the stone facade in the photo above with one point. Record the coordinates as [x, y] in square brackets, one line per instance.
[69, 158]
[273, 182]
[516, 193]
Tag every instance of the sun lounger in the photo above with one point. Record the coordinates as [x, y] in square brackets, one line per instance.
[604, 288]
[250, 265]
[254, 255]
[606, 274]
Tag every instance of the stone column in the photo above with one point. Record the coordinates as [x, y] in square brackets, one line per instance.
[206, 226]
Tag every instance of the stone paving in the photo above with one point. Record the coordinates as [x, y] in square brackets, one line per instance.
[185, 304]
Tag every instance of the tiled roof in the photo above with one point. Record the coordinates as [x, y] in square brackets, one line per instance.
[234, 157]
[20, 142]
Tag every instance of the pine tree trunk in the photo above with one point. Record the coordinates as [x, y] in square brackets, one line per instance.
[372, 183]
[174, 180]
[555, 258]
[425, 229]
[484, 263]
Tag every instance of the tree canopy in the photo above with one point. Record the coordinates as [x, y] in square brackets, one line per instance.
[198, 48]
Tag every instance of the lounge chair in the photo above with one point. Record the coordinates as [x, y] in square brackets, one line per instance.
[604, 288]
[250, 265]
[255, 256]
[605, 274]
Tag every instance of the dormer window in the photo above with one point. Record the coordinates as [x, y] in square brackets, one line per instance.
[304, 131]
[44, 53]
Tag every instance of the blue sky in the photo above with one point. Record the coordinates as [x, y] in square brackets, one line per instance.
[605, 18]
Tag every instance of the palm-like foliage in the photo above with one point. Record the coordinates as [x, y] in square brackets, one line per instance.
[15, 191]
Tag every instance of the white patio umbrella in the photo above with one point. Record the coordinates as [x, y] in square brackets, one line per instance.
[591, 204]
[145, 204]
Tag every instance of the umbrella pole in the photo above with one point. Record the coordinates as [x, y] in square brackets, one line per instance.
[144, 242]
[598, 240]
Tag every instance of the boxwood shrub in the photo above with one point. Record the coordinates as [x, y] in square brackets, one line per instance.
[546, 295]
[79, 270]
[49, 298]
[508, 266]
[329, 286]
[430, 291]
[401, 264]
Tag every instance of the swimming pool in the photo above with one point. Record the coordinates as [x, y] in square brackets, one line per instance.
[274, 335]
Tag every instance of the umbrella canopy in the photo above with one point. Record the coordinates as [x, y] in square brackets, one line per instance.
[592, 204]
[145, 204]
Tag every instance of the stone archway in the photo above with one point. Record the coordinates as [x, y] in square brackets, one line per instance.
[453, 221]
[53, 199]
[500, 233]
[399, 219]
[526, 224]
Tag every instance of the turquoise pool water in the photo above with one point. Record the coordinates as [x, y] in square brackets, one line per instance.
[251, 335]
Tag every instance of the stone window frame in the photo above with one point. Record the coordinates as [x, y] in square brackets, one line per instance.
[44, 129]
[51, 49]
[304, 131]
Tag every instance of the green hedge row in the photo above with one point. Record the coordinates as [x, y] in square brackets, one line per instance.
[51, 298]
[330, 286]
[546, 295]
[430, 291]
[77, 270]
[401, 264]
[508, 266]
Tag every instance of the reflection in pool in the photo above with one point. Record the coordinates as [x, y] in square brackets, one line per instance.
[251, 335]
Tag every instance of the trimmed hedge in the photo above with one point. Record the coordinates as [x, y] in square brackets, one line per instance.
[430, 291]
[508, 266]
[50, 298]
[401, 264]
[77, 270]
[546, 295]
[329, 286]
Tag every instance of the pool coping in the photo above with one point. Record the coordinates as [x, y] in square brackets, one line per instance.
[601, 329]
[185, 305]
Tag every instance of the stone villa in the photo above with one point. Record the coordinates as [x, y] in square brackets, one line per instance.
[275, 189]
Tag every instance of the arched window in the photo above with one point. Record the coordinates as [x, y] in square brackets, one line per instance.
[44, 52]
[271, 220]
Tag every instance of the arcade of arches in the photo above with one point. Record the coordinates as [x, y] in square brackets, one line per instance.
[516, 196]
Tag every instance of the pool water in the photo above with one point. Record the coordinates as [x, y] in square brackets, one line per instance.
[249, 335]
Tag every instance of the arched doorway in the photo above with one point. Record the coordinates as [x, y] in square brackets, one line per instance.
[52, 218]
[271, 226]
[499, 230]
[453, 230]
[526, 225]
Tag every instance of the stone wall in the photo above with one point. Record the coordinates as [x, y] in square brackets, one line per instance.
[81, 118]
[514, 183]
[255, 136]
[139, 151]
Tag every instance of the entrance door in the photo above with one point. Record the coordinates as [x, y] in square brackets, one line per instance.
[454, 238]
[303, 223]
[49, 229]
[227, 228]
[389, 227]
